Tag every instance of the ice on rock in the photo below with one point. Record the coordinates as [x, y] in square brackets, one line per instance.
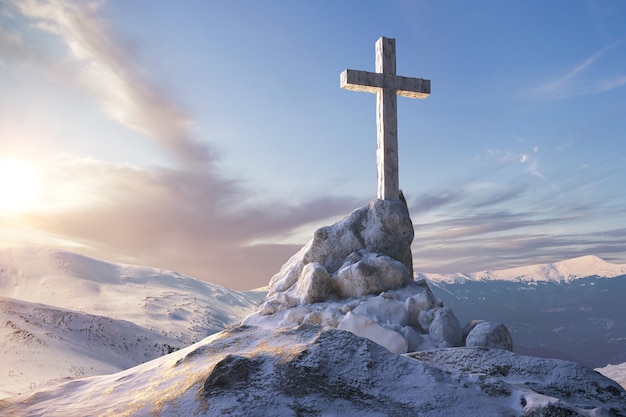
[384, 310]
[356, 275]
[368, 328]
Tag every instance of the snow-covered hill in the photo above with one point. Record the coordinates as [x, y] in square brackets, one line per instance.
[67, 315]
[310, 371]
[563, 271]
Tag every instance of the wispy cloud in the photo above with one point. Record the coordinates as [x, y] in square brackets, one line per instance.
[500, 194]
[434, 200]
[573, 82]
[482, 252]
[103, 68]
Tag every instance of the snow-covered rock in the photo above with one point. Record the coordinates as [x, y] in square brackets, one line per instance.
[367, 252]
[489, 335]
[356, 275]
[366, 327]
[312, 371]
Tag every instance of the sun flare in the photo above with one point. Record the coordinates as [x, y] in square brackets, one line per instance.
[19, 185]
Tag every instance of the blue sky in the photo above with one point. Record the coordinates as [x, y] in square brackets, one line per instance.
[212, 138]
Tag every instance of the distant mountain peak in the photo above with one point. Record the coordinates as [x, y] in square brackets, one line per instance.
[562, 271]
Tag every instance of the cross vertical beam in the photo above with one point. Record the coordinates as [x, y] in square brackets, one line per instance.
[387, 86]
[387, 124]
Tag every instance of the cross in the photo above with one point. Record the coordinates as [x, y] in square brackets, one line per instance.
[387, 86]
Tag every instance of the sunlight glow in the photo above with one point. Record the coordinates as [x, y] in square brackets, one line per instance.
[19, 185]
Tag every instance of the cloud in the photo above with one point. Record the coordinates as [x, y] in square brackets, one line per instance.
[481, 223]
[104, 69]
[572, 82]
[611, 83]
[185, 220]
[500, 194]
[435, 200]
[483, 253]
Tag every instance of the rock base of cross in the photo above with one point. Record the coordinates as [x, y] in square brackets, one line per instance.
[357, 275]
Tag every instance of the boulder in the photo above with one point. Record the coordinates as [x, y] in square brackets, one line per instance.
[490, 335]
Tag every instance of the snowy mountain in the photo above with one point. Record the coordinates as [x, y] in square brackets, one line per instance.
[560, 272]
[572, 310]
[64, 315]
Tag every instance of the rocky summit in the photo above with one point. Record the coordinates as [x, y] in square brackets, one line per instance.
[357, 275]
[344, 330]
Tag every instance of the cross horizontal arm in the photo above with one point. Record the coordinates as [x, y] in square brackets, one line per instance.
[372, 82]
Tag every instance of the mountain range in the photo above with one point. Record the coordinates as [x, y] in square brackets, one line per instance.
[572, 310]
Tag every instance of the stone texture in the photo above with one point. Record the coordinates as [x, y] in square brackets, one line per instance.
[490, 335]
[373, 242]
[370, 275]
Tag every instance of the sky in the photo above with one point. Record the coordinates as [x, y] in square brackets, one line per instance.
[212, 137]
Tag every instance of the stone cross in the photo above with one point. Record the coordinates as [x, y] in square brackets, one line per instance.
[387, 86]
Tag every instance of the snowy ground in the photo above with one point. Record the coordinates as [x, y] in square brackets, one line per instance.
[309, 371]
[616, 372]
[63, 315]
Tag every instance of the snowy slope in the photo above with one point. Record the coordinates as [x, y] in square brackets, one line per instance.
[563, 271]
[616, 372]
[309, 371]
[66, 315]
[41, 343]
[175, 304]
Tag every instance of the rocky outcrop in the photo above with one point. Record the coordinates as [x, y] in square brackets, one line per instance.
[367, 252]
[356, 275]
